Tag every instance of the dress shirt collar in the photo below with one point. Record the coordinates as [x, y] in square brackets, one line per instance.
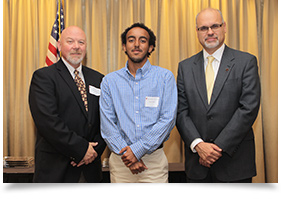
[217, 54]
[143, 70]
[71, 69]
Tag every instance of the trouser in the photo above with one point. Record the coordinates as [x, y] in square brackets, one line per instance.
[156, 163]
[211, 178]
[82, 178]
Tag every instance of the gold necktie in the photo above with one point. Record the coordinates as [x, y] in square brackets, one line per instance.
[209, 74]
[82, 88]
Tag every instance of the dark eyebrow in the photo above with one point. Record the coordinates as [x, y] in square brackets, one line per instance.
[131, 37]
[142, 37]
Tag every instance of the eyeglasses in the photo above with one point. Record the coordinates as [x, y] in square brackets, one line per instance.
[206, 28]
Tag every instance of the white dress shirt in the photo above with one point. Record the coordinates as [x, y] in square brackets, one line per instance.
[71, 70]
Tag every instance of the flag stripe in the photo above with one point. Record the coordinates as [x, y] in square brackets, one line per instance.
[53, 49]
[48, 61]
[53, 53]
[51, 56]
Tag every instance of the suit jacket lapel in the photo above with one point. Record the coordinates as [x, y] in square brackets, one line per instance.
[70, 82]
[223, 73]
[199, 77]
[87, 78]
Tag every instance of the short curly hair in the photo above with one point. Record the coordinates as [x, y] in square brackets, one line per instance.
[152, 37]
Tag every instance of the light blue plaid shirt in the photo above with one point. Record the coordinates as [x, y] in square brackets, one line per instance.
[138, 112]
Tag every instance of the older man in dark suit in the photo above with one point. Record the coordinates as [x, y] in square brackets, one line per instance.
[218, 102]
[64, 102]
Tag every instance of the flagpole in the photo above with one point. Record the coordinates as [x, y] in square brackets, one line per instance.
[59, 16]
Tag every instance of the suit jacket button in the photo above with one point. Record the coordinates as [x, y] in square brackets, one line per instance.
[89, 125]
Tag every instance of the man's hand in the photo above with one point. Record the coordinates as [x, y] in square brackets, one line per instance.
[89, 157]
[204, 163]
[128, 158]
[138, 167]
[209, 153]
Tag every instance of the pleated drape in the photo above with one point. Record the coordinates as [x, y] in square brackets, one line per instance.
[252, 26]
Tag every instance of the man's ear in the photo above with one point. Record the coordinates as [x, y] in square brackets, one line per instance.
[59, 45]
[224, 27]
[124, 47]
[150, 49]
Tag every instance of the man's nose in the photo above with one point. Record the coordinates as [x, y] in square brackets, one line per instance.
[137, 43]
[76, 45]
[210, 31]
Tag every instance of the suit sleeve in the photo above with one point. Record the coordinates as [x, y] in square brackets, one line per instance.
[184, 123]
[101, 143]
[44, 109]
[243, 118]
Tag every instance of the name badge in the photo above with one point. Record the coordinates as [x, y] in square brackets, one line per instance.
[151, 101]
[94, 91]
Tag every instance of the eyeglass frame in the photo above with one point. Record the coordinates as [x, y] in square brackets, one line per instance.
[212, 27]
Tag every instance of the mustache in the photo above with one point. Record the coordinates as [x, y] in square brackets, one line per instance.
[211, 38]
[76, 52]
[136, 48]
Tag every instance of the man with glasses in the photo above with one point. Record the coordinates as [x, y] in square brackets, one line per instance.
[218, 102]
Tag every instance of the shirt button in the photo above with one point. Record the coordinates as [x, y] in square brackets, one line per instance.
[137, 97]
[138, 125]
[137, 83]
[137, 112]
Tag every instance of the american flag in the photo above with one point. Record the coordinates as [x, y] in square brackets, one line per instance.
[53, 53]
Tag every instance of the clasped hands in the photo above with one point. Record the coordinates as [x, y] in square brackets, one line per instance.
[131, 161]
[209, 153]
[89, 157]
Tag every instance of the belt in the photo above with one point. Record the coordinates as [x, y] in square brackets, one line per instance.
[161, 146]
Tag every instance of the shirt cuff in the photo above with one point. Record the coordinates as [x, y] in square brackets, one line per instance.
[194, 143]
[138, 150]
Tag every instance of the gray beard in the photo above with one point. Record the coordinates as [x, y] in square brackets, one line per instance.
[73, 61]
[211, 45]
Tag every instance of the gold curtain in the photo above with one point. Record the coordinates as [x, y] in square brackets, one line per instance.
[269, 79]
[252, 27]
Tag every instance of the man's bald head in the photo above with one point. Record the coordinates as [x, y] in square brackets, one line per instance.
[72, 45]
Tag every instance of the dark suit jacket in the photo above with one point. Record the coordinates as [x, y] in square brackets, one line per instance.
[64, 128]
[227, 121]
